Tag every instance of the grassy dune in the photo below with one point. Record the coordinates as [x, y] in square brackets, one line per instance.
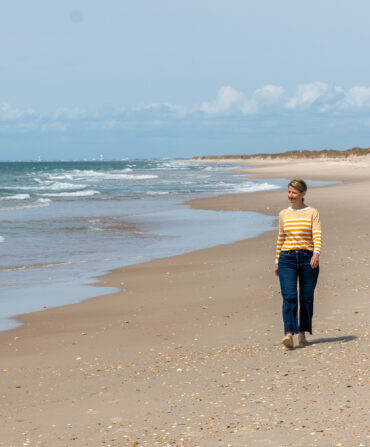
[297, 154]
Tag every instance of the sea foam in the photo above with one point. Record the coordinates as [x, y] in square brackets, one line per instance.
[112, 175]
[17, 197]
[89, 192]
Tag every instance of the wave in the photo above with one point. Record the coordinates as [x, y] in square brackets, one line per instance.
[1, 239]
[112, 175]
[213, 168]
[35, 266]
[253, 187]
[39, 203]
[59, 177]
[170, 165]
[137, 176]
[49, 185]
[89, 192]
[58, 264]
[17, 197]
[60, 185]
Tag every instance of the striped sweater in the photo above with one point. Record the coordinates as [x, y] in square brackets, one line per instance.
[299, 229]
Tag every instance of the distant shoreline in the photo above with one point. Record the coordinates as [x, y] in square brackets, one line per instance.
[296, 154]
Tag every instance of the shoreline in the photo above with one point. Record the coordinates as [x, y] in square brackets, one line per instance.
[178, 327]
[319, 169]
[84, 287]
[90, 238]
[199, 203]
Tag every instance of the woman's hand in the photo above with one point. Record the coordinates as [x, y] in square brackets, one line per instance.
[315, 260]
[276, 270]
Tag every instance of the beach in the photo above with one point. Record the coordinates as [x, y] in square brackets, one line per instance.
[189, 351]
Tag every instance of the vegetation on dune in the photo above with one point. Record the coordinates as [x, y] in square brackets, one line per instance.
[324, 153]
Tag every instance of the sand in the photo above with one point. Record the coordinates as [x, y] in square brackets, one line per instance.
[189, 352]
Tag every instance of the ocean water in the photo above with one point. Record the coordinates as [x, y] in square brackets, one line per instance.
[64, 223]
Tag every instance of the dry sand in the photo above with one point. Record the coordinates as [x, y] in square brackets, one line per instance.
[189, 353]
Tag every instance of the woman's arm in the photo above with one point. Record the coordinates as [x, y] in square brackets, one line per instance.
[317, 239]
[279, 243]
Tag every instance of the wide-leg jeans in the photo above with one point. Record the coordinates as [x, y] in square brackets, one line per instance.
[294, 267]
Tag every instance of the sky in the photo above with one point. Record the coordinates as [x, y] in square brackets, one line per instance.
[180, 78]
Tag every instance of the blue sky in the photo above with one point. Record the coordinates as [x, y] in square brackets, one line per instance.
[180, 78]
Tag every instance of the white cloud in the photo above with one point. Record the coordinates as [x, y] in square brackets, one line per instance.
[269, 94]
[166, 108]
[179, 110]
[270, 100]
[228, 100]
[328, 98]
[316, 93]
[10, 113]
[357, 97]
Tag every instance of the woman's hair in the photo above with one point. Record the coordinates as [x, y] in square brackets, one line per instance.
[299, 185]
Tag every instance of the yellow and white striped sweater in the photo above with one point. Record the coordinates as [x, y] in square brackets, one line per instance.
[299, 229]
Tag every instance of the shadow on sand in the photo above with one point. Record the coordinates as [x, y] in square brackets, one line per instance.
[316, 341]
[343, 339]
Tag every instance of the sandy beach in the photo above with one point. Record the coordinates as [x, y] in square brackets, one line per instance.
[189, 351]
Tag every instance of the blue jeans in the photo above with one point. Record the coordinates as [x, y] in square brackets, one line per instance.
[295, 265]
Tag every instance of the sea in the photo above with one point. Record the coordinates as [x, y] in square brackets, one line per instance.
[65, 223]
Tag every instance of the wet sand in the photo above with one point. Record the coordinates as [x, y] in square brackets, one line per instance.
[189, 352]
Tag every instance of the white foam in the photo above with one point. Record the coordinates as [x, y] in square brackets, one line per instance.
[213, 168]
[166, 166]
[61, 185]
[112, 175]
[133, 176]
[17, 197]
[1, 239]
[89, 192]
[253, 187]
[60, 177]
[39, 203]
[50, 185]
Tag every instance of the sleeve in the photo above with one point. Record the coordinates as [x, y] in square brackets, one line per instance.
[280, 239]
[316, 232]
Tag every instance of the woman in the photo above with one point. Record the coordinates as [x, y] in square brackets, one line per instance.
[297, 258]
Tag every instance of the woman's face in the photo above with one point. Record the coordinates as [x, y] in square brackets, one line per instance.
[294, 196]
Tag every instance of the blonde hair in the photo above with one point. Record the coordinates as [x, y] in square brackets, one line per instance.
[298, 184]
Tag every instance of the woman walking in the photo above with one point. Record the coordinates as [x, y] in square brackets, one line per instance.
[297, 260]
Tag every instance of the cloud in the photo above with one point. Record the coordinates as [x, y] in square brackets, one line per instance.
[357, 98]
[269, 94]
[10, 113]
[269, 101]
[315, 94]
[229, 101]
[161, 108]
[327, 98]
